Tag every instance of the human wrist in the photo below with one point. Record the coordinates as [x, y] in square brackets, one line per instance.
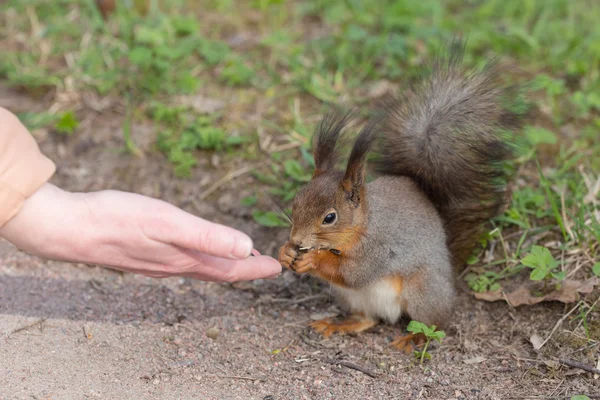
[41, 226]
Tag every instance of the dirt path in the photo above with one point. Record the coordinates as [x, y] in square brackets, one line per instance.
[75, 331]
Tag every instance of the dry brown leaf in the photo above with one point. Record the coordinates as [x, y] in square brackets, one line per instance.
[568, 293]
[106, 7]
[536, 341]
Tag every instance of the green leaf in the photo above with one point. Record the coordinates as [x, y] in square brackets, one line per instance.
[213, 52]
[416, 327]
[236, 140]
[580, 397]
[472, 260]
[269, 219]
[141, 56]
[559, 275]
[36, 120]
[536, 136]
[438, 335]
[530, 260]
[294, 170]
[540, 257]
[236, 72]
[150, 36]
[495, 287]
[248, 201]
[538, 274]
[66, 124]
[427, 331]
[596, 269]
[185, 25]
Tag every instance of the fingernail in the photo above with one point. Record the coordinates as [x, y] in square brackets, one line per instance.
[242, 248]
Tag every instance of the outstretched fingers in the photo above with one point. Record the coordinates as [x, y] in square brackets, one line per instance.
[185, 230]
[210, 268]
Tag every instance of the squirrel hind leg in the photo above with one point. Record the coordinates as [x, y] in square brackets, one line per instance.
[353, 324]
[407, 343]
[427, 298]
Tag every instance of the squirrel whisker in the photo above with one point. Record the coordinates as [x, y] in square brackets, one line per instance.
[280, 210]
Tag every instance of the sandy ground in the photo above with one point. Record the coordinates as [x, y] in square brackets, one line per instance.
[77, 332]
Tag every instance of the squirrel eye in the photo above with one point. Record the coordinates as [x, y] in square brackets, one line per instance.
[329, 219]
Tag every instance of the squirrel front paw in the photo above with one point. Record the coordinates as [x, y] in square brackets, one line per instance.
[290, 257]
[287, 255]
[304, 262]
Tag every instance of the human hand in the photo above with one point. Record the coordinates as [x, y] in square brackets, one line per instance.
[133, 233]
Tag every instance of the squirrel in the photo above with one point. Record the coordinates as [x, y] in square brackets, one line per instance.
[393, 246]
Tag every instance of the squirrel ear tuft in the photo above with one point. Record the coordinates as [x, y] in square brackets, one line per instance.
[327, 135]
[354, 178]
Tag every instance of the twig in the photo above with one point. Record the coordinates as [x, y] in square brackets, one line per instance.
[508, 302]
[588, 311]
[350, 365]
[40, 321]
[188, 328]
[564, 214]
[559, 323]
[291, 301]
[577, 364]
[247, 378]
[558, 387]
[283, 147]
[227, 178]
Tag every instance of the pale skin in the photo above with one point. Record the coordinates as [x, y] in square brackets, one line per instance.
[130, 232]
[133, 233]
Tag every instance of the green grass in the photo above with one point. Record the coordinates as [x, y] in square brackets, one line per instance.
[277, 62]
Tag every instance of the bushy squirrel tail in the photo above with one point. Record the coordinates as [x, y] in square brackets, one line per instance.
[450, 133]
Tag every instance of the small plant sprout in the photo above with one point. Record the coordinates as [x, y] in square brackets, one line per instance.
[543, 265]
[66, 124]
[429, 332]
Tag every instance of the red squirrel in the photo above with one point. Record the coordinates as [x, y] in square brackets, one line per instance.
[393, 246]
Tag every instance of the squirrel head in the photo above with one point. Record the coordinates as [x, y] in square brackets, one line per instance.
[330, 212]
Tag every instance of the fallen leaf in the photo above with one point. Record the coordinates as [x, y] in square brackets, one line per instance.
[475, 360]
[106, 7]
[568, 293]
[536, 341]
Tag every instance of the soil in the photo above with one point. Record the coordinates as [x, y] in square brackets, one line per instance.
[78, 331]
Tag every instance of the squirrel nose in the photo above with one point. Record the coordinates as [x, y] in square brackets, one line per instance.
[296, 240]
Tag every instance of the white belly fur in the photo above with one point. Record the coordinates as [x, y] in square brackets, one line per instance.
[378, 301]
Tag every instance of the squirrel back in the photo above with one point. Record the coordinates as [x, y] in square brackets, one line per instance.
[448, 132]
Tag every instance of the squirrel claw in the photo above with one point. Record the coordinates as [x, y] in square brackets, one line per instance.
[287, 256]
[407, 343]
[303, 263]
[355, 324]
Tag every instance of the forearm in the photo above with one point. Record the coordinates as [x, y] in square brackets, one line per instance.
[134, 233]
